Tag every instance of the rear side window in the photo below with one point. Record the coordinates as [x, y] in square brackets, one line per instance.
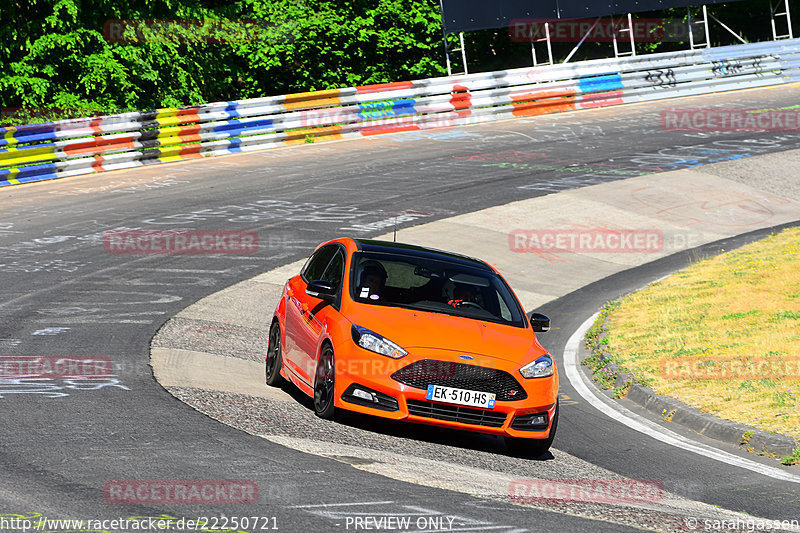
[318, 262]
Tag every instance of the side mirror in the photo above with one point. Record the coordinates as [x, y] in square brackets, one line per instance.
[540, 323]
[324, 290]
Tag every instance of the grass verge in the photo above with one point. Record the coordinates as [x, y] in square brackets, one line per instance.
[793, 459]
[722, 335]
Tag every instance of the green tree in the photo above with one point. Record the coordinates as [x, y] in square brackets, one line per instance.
[68, 53]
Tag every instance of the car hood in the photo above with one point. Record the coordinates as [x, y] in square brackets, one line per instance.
[421, 329]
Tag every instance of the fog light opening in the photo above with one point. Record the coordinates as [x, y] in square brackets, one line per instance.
[531, 422]
[361, 395]
[364, 395]
[538, 420]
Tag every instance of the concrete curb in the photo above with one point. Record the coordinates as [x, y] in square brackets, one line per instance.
[692, 418]
[710, 425]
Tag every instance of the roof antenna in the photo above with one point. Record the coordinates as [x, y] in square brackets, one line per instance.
[395, 228]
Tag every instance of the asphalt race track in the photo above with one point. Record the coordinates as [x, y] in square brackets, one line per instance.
[62, 294]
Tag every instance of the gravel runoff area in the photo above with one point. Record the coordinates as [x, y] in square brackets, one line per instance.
[229, 340]
[296, 419]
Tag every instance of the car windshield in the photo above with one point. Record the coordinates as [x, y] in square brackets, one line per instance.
[438, 286]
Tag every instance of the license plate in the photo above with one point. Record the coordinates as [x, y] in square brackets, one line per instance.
[472, 398]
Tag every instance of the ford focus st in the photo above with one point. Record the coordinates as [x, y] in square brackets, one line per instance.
[415, 334]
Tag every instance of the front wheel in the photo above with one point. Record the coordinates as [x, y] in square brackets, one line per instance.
[533, 447]
[274, 359]
[324, 384]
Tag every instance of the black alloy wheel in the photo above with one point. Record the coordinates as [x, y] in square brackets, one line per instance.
[324, 382]
[274, 358]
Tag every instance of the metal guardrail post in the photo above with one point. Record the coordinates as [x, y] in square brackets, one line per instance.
[785, 13]
[545, 39]
[574, 50]
[447, 50]
[629, 31]
[703, 23]
[461, 49]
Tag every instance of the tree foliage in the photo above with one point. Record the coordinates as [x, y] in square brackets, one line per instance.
[64, 54]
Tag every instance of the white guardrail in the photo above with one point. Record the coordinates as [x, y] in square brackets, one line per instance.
[51, 150]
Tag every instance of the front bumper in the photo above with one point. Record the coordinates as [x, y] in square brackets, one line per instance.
[371, 375]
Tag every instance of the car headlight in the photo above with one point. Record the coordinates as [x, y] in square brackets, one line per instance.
[541, 368]
[369, 340]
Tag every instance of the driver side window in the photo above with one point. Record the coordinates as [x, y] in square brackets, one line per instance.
[334, 273]
[317, 263]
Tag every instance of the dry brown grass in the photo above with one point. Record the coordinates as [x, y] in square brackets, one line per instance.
[742, 307]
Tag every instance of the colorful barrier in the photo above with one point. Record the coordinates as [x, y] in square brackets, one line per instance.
[51, 150]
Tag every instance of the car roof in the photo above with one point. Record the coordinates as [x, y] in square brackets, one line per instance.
[399, 248]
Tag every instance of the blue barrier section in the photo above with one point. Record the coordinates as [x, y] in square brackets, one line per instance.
[388, 108]
[235, 127]
[603, 83]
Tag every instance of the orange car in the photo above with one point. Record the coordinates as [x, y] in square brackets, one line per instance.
[415, 334]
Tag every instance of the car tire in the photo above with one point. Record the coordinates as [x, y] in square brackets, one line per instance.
[325, 384]
[274, 359]
[532, 448]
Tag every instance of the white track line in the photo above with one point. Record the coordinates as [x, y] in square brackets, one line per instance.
[642, 425]
[327, 505]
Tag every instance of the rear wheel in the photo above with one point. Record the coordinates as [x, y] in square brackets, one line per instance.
[274, 359]
[533, 447]
[324, 384]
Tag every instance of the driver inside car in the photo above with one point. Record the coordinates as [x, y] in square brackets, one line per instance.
[461, 294]
[373, 280]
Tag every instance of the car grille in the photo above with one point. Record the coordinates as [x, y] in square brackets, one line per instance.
[460, 376]
[456, 413]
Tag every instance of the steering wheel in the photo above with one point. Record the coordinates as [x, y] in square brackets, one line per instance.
[463, 303]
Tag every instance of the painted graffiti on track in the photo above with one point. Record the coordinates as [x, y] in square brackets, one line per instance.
[56, 388]
[564, 174]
